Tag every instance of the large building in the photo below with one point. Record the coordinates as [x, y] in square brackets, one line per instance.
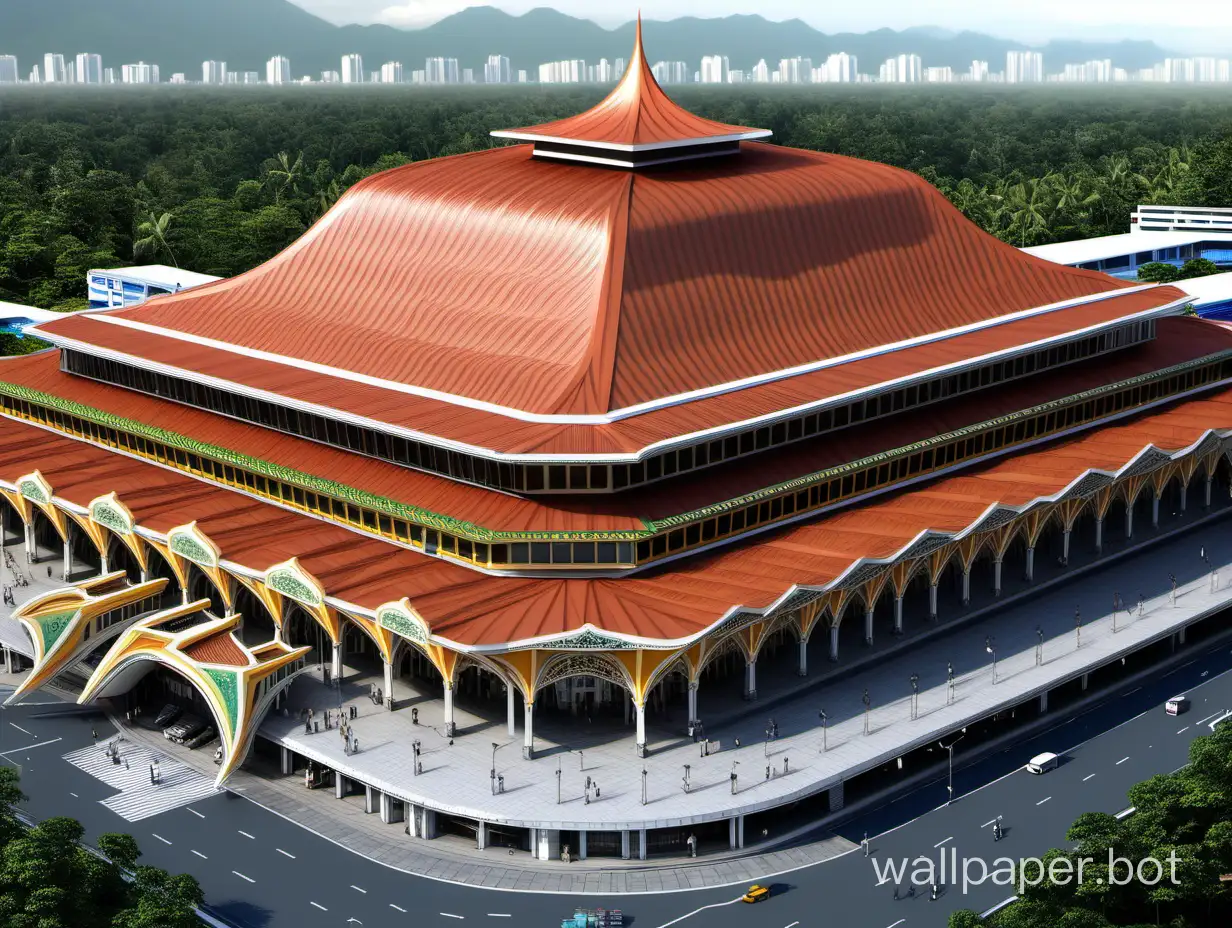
[89, 68]
[586, 425]
[8, 69]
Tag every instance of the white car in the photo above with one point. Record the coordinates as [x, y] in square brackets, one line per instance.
[1042, 763]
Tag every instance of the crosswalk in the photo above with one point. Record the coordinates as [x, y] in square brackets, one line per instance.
[137, 797]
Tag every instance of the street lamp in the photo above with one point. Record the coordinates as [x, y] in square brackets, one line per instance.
[949, 682]
[867, 704]
[686, 778]
[1077, 626]
[644, 786]
[492, 772]
[824, 719]
[988, 646]
[558, 779]
[1039, 646]
[767, 742]
[950, 748]
[915, 695]
[734, 776]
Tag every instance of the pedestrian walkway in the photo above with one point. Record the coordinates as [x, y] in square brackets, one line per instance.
[138, 798]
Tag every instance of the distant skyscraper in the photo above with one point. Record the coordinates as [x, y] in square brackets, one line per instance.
[36, 76]
[8, 69]
[839, 68]
[715, 69]
[352, 69]
[391, 72]
[179, 77]
[735, 76]
[278, 70]
[331, 77]
[978, 72]
[761, 72]
[572, 71]
[89, 69]
[1024, 67]
[496, 71]
[468, 75]
[939, 75]
[53, 69]
[604, 72]
[140, 73]
[671, 72]
[250, 77]
[523, 76]
[213, 72]
[442, 71]
[903, 69]
[109, 75]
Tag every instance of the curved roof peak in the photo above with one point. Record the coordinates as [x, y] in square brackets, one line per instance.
[635, 125]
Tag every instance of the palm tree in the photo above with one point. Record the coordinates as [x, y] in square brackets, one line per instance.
[286, 175]
[1028, 206]
[327, 196]
[152, 232]
[1071, 192]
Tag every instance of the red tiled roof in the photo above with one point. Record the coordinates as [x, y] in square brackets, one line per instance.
[217, 649]
[674, 601]
[1179, 339]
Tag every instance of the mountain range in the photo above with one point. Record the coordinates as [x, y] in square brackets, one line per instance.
[179, 34]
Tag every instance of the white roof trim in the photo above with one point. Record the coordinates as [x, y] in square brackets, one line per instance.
[521, 136]
[114, 318]
[617, 163]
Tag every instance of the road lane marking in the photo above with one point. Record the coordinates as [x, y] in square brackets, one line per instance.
[1044, 800]
[987, 823]
[713, 905]
[161, 838]
[74, 795]
[1121, 761]
[196, 813]
[998, 907]
[398, 907]
[1136, 688]
[242, 877]
[284, 853]
[1183, 730]
[1208, 718]
[1125, 813]
[499, 915]
[30, 747]
[1087, 777]
[248, 836]
[451, 915]
[943, 840]
[319, 906]
[899, 922]
[199, 854]
[19, 728]
[793, 925]
[358, 890]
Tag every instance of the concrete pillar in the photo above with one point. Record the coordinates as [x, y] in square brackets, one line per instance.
[1184, 496]
[145, 576]
[511, 708]
[731, 832]
[1030, 563]
[750, 679]
[389, 684]
[1065, 546]
[836, 796]
[1086, 680]
[102, 560]
[739, 831]
[898, 615]
[428, 828]
[1155, 510]
[68, 559]
[1043, 702]
[834, 642]
[1206, 498]
[547, 844]
[996, 577]
[692, 701]
[391, 809]
[29, 542]
[641, 844]
[447, 720]
[966, 589]
[802, 659]
[8, 661]
[1099, 535]
[868, 625]
[481, 836]
[339, 785]
[1180, 635]
[287, 765]
[641, 728]
[371, 799]
[932, 601]
[528, 730]
[582, 844]
[1129, 521]
[335, 663]
[624, 845]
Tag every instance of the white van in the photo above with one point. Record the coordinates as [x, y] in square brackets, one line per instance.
[1177, 705]
[1042, 763]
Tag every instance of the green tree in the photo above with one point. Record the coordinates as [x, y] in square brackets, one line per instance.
[153, 237]
[1158, 272]
[1197, 267]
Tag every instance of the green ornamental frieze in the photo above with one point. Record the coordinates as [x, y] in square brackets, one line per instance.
[285, 581]
[53, 627]
[110, 517]
[32, 490]
[189, 548]
[403, 625]
[228, 686]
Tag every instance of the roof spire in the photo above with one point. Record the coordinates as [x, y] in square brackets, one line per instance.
[636, 125]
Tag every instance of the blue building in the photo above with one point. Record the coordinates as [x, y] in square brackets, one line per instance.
[127, 286]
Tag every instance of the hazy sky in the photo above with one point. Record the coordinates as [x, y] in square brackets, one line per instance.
[1198, 25]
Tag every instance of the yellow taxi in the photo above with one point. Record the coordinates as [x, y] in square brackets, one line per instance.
[756, 894]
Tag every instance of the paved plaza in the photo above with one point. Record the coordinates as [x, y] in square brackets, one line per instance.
[455, 776]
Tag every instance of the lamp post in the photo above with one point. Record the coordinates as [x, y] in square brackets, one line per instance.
[492, 772]
[915, 695]
[1172, 593]
[1039, 646]
[988, 646]
[767, 742]
[644, 786]
[867, 704]
[950, 748]
[1077, 626]
[686, 778]
[949, 682]
[735, 778]
[824, 719]
[558, 779]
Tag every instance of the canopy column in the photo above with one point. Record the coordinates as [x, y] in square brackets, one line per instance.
[450, 727]
[389, 684]
[693, 700]
[528, 730]
[641, 728]
[802, 663]
[511, 703]
[750, 678]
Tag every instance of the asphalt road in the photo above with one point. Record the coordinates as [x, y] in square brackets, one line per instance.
[263, 871]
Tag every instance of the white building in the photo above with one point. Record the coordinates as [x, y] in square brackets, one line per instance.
[8, 69]
[735, 76]
[715, 69]
[839, 68]
[978, 72]
[1024, 67]
[497, 71]
[903, 69]
[331, 77]
[1090, 72]
[468, 75]
[109, 75]
[89, 68]
[35, 75]
[523, 76]
[939, 75]
[53, 69]
[179, 77]
[391, 72]
[761, 72]
[572, 71]
[140, 73]
[442, 71]
[278, 70]
[605, 72]
[352, 69]
[250, 77]
[795, 70]
[670, 72]
[213, 72]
